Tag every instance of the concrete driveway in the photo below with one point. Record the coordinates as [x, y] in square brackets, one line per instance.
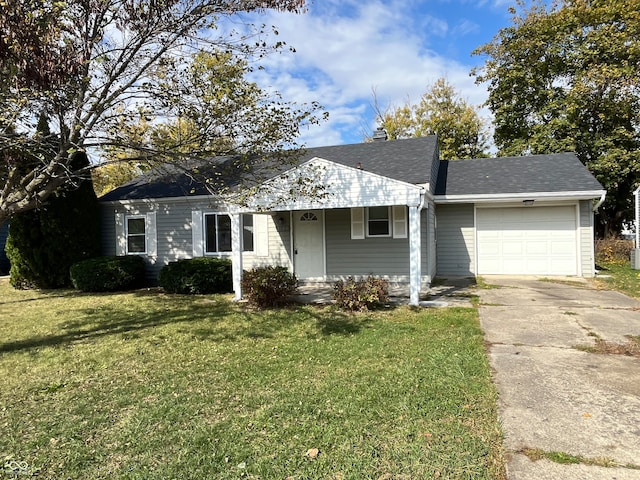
[554, 397]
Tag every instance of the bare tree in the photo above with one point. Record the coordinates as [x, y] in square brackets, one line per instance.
[94, 67]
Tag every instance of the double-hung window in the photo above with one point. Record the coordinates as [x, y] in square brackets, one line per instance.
[217, 233]
[217, 227]
[136, 234]
[378, 222]
[383, 221]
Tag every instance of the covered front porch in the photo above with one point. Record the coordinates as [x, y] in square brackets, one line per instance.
[363, 224]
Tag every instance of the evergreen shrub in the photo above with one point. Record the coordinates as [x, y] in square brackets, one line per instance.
[43, 243]
[108, 274]
[197, 276]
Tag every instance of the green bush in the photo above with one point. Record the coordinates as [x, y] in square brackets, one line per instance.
[358, 295]
[43, 243]
[108, 274]
[197, 276]
[267, 287]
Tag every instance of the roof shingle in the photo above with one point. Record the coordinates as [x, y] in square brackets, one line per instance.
[407, 160]
[561, 172]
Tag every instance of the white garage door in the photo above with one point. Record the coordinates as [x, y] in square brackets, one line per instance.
[527, 241]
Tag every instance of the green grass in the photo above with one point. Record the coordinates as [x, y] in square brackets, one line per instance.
[563, 458]
[148, 386]
[621, 278]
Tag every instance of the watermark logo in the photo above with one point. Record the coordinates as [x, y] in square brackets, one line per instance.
[15, 469]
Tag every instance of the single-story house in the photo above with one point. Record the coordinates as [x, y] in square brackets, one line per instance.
[385, 208]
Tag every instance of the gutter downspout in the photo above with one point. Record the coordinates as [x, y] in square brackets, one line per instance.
[636, 206]
[602, 197]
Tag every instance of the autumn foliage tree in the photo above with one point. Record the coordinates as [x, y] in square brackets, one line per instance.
[460, 129]
[94, 66]
[566, 77]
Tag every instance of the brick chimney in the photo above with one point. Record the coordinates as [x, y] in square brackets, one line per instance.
[380, 135]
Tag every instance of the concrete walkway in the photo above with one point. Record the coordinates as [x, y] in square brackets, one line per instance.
[553, 396]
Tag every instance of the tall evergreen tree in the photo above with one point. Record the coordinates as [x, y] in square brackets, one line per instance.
[45, 242]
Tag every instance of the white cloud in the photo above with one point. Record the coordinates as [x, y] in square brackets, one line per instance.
[345, 49]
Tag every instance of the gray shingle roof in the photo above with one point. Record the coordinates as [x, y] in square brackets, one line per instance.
[407, 160]
[561, 172]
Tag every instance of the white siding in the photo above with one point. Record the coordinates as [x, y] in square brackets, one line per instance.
[344, 187]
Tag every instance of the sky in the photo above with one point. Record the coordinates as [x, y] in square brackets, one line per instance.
[347, 49]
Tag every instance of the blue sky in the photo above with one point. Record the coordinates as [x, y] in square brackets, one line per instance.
[346, 49]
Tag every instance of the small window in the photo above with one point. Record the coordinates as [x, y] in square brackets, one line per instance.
[247, 233]
[378, 222]
[218, 233]
[309, 217]
[136, 235]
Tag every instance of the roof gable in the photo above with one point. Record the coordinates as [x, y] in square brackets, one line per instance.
[410, 161]
[320, 183]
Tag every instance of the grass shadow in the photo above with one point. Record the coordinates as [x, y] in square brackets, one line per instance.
[113, 320]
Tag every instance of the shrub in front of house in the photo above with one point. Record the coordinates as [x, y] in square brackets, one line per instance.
[108, 274]
[613, 250]
[267, 287]
[357, 295]
[197, 276]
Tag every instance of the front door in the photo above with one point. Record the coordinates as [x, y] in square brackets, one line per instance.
[308, 241]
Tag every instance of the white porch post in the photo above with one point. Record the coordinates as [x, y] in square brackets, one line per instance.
[415, 262]
[236, 255]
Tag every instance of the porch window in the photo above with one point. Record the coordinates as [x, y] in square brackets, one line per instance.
[136, 235]
[218, 233]
[378, 222]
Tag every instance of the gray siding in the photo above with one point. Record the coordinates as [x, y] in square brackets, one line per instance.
[586, 233]
[429, 241]
[455, 240]
[108, 230]
[279, 238]
[379, 256]
[175, 239]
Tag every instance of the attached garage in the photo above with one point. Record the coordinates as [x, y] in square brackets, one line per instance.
[527, 240]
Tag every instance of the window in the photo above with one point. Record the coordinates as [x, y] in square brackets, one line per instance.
[378, 222]
[136, 235]
[247, 233]
[218, 233]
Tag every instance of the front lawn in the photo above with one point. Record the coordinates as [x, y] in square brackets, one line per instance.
[620, 277]
[149, 386]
